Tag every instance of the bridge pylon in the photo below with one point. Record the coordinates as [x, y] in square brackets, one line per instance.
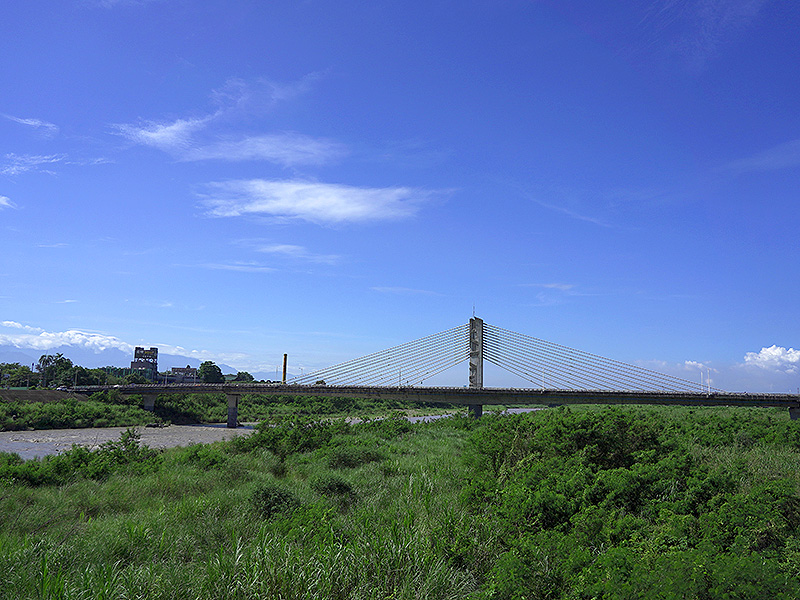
[476, 361]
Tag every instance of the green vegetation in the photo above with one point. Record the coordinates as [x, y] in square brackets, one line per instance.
[577, 504]
[100, 410]
[210, 373]
[111, 409]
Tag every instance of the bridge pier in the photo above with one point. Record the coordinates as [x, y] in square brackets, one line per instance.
[794, 413]
[476, 362]
[233, 410]
[149, 402]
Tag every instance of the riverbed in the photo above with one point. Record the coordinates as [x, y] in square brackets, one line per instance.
[44, 442]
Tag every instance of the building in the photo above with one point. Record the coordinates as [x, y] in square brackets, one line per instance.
[183, 375]
[145, 362]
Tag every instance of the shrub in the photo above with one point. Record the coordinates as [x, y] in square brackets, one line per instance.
[332, 486]
[269, 500]
[349, 457]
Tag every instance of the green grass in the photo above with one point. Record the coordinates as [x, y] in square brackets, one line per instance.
[588, 503]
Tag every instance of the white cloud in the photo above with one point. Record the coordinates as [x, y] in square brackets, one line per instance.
[561, 287]
[239, 97]
[49, 129]
[775, 358]
[15, 325]
[25, 336]
[782, 156]
[212, 137]
[174, 138]
[298, 252]
[693, 364]
[16, 163]
[5, 202]
[240, 267]
[180, 139]
[115, 3]
[322, 203]
[404, 291]
[287, 149]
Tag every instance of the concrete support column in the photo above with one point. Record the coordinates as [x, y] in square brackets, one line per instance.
[476, 361]
[794, 413]
[475, 410]
[149, 401]
[233, 410]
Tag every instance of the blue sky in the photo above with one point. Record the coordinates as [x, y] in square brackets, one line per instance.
[236, 180]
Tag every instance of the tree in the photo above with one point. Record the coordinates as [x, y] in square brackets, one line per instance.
[244, 376]
[17, 375]
[55, 370]
[135, 378]
[210, 373]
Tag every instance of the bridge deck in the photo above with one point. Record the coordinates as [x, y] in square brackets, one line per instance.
[467, 396]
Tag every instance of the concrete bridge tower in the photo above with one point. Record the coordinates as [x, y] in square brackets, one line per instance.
[476, 361]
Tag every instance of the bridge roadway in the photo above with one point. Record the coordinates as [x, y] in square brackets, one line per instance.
[474, 398]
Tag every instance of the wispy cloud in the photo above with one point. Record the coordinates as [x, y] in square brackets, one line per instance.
[561, 287]
[403, 291]
[15, 164]
[712, 23]
[47, 129]
[775, 358]
[180, 139]
[298, 253]
[572, 214]
[214, 136]
[695, 31]
[243, 98]
[115, 3]
[551, 294]
[173, 137]
[286, 149]
[782, 156]
[242, 267]
[321, 203]
[5, 202]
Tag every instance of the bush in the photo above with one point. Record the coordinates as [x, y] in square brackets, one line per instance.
[349, 457]
[269, 500]
[333, 486]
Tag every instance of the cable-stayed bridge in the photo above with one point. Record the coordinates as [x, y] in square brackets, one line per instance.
[556, 374]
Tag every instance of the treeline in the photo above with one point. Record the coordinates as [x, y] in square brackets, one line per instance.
[56, 370]
[111, 409]
[613, 503]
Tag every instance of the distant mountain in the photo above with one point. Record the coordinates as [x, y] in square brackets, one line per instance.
[113, 357]
[12, 354]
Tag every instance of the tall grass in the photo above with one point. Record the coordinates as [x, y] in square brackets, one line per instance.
[195, 528]
[558, 504]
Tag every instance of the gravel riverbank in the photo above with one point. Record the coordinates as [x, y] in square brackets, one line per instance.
[39, 443]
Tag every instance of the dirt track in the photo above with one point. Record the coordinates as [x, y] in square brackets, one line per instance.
[33, 444]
